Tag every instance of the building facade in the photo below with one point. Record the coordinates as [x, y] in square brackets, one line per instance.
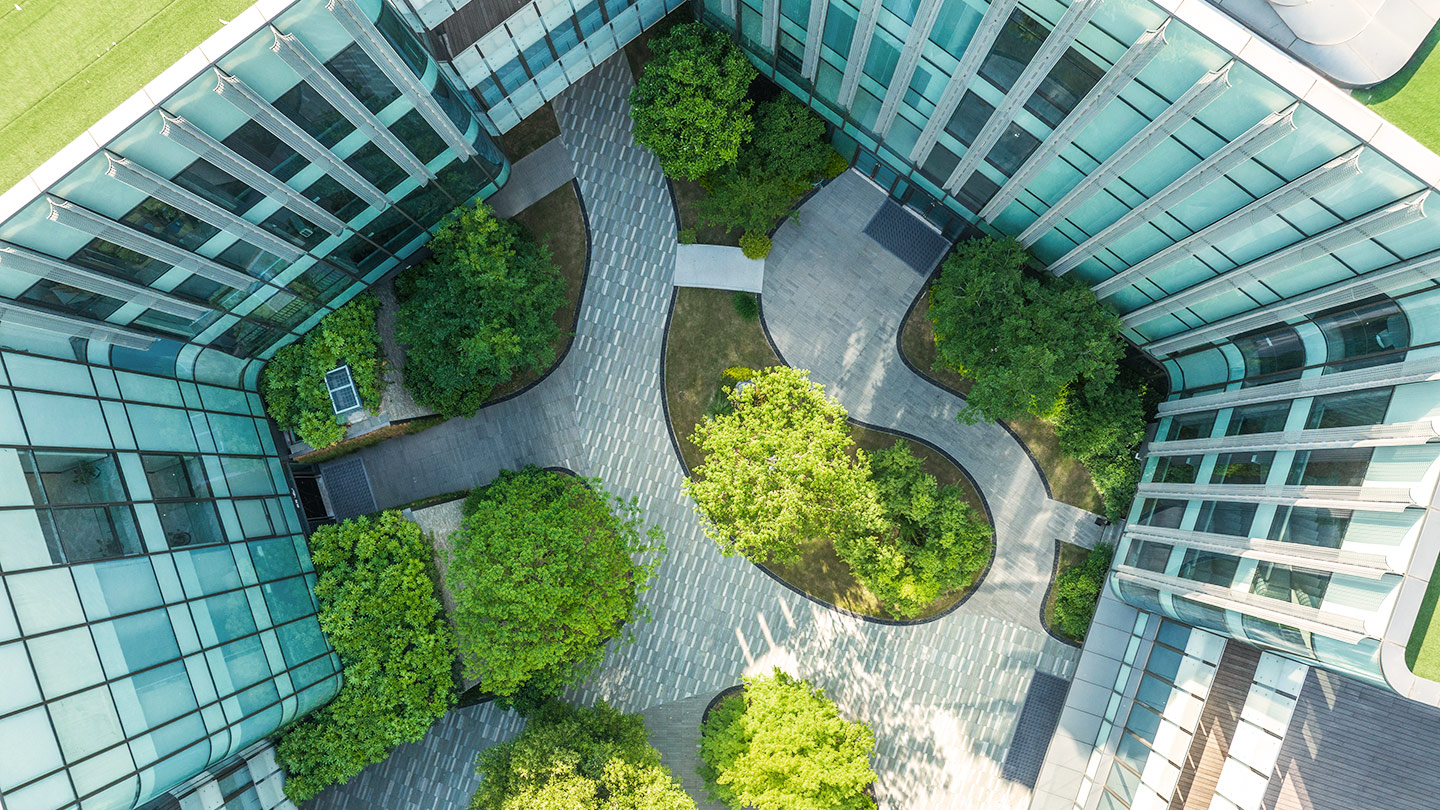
[156, 614]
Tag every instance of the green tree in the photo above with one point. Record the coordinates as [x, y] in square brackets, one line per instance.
[782, 745]
[1101, 426]
[749, 199]
[293, 385]
[1022, 340]
[937, 542]
[578, 759]
[479, 312]
[789, 139]
[778, 471]
[689, 106]
[1077, 589]
[378, 609]
[543, 573]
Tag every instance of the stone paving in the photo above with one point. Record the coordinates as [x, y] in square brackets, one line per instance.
[943, 697]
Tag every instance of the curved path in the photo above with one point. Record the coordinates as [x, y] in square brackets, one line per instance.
[942, 697]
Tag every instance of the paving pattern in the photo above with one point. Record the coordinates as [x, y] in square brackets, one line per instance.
[943, 697]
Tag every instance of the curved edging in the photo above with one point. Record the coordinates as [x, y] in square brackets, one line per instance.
[665, 386]
[579, 305]
[718, 699]
[670, 429]
[900, 349]
[1054, 580]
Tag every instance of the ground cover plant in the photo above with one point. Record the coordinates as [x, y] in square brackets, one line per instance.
[570, 758]
[478, 312]
[543, 571]
[378, 609]
[1040, 347]
[293, 385]
[1077, 589]
[781, 744]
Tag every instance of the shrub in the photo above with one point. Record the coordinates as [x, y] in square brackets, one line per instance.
[576, 758]
[754, 245]
[789, 140]
[689, 105]
[835, 165]
[751, 200]
[293, 384]
[688, 236]
[782, 745]
[377, 607]
[1022, 340]
[738, 374]
[936, 544]
[1077, 589]
[479, 312]
[778, 471]
[1102, 426]
[542, 571]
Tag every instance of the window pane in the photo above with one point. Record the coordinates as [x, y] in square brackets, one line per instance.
[1268, 417]
[1225, 517]
[1242, 468]
[359, 74]
[1350, 409]
[1310, 525]
[308, 109]
[1340, 467]
[1190, 426]
[1165, 513]
[1298, 586]
[1209, 566]
[1149, 555]
[1177, 469]
[1364, 335]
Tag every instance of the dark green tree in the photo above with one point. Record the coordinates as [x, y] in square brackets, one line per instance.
[937, 541]
[378, 609]
[1022, 340]
[1101, 426]
[1077, 589]
[293, 385]
[689, 106]
[480, 311]
[578, 759]
[543, 573]
[789, 140]
[781, 744]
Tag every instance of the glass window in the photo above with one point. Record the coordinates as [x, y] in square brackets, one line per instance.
[394, 30]
[1350, 409]
[450, 102]
[1190, 426]
[1338, 467]
[358, 255]
[1141, 596]
[305, 106]
[1276, 636]
[70, 300]
[1209, 566]
[217, 186]
[190, 523]
[1225, 517]
[426, 204]
[1276, 355]
[251, 260]
[968, 119]
[1268, 417]
[1013, 149]
[335, 198]
[1177, 469]
[1242, 468]
[1364, 335]
[839, 28]
[245, 339]
[114, 260]
[294, 228]
[939, 165]
[258, 145]
[391, 230]
[1067, 83]
[375, 166]
[92, 533]
[361, 77]
[168, 223]
[1199, 615]
[1298, 586]
[1013, 49]
[70, 478]
[1149, 555]
[1165, 513]
[413, 131]
[1311, 526]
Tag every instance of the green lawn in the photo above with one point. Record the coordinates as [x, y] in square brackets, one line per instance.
[1408, 99]
[1422, 653]
[67, 64]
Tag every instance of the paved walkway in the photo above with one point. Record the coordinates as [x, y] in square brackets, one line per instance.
[532, 177]
[718, 267]
[942, 697]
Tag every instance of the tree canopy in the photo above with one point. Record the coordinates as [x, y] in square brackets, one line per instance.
[689, 105]
[778, 470]
[543, 572]
[377, 607]
[480, 311]
[781, 744]
[1023, 340]
[1102, 428]
[293, 384]
[935, 544]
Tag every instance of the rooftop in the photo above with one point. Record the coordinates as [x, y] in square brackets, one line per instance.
[65, 64]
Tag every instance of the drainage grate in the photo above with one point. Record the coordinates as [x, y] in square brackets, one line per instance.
[1038, 718]
[907, 236]
[349, 488]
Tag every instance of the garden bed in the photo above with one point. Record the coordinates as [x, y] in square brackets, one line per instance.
[1070, 555]
[708, 335]
[1069, 481]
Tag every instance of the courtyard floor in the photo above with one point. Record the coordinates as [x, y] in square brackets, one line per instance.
[943, 697]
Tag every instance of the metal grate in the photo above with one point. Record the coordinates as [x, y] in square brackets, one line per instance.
[907, 237]
[1038, 717]
[343, 397]
[348, 486]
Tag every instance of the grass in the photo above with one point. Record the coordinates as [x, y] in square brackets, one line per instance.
[68, 64]
[1408, 98]
[1070, 555]
[556, 220]
[1422, 651]
[708, 335]
[535, 131]
[1069, 481]
[374, 437]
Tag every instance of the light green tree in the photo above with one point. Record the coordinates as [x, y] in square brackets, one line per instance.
[782, 745]
[578, 759]
[478, 312]
[779, 471]
[377, 607]
[689, 106]
[1023, 340]
[1077, 589]
[293, 385]
[543, 572]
